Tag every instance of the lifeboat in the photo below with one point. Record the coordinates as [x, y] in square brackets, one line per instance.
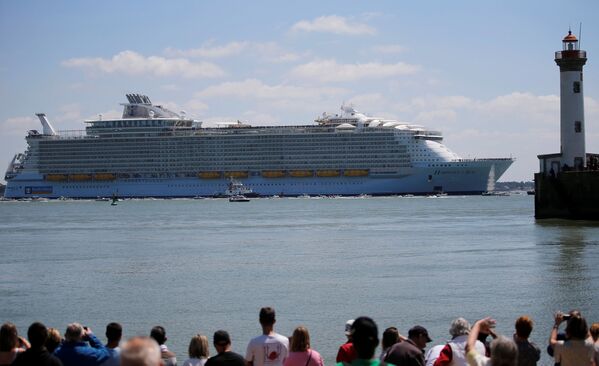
[209, 175]
[236, 174]
[301, 173]
[327, 173]
[355, 172]
[104, 176]
[273, 173]
[56, 177]
[80, 177]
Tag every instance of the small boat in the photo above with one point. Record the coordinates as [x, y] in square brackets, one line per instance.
[102, 199]
[236, 188]
[531, 192]
[115, 199]
[495, 193]
[239, 198]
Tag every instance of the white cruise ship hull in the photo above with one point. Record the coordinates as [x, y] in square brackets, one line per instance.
[153, 152]
[465, 177]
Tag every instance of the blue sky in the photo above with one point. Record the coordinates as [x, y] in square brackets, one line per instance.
[480, 71]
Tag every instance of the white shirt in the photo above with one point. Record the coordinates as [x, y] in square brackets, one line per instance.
[268, 350]
[573, 352]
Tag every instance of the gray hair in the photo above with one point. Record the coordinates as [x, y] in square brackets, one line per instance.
[141, 351]
[459, 326]
[74, 332]
[504, 352]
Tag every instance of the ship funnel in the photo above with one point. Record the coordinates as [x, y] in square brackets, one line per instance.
[48, 129]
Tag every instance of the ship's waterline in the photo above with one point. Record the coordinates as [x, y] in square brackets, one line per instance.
[154, 152]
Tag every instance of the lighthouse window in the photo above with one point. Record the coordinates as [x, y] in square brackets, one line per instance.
[576, 87]
[577, 126]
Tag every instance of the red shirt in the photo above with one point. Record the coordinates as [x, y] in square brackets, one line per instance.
[346, 353]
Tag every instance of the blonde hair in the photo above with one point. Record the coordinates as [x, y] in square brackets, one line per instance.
[53, 340]
[198, 347]
[140, 351]
[300, 340]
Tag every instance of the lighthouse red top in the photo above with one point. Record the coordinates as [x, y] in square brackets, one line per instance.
[570, 42]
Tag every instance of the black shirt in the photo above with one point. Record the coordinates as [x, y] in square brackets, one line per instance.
[38, 357]
[226, 359]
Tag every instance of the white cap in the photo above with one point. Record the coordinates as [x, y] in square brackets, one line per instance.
[348, 325]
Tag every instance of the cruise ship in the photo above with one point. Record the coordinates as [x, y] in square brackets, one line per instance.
[154, 152]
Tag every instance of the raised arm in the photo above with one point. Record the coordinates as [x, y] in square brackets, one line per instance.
[559, 318]
[484, 325]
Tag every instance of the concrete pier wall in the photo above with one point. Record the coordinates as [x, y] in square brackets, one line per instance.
[569, 195]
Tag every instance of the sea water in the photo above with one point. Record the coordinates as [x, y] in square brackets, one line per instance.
[196, 266]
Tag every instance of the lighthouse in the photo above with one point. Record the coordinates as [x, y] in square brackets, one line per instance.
[572, 130]
[567, 184]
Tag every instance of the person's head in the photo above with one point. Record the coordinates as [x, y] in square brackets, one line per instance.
[198, 347]
[504, 352]
[577, 327]
[390, 337]
[595, 331]
[74, 333]
[419, 335]
[114, 332]
[300, 340]
[158, 334]
[348, 325]
[54, 339]
[459, 327]
[365, 337]
[9, 337]
[267, 316]
[221, 341]
[523, 326]
[140, 351]
[37, 335]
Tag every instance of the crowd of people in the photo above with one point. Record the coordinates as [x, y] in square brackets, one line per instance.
[578, 345]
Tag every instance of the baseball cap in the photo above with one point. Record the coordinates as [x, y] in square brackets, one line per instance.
[419, 330]
[221, 337]
[348, 325]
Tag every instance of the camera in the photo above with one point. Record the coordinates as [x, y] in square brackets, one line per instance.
[566, 316]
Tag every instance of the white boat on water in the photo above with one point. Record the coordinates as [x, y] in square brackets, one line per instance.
[236, 188]
[495, 193]
[153, 152]
[239, 198]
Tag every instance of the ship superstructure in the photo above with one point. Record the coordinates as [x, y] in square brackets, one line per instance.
[153, 152]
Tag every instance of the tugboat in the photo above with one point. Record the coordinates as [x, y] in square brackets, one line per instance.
[236, 188]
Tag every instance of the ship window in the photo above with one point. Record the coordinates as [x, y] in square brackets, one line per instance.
[577, 126]
[576, 87]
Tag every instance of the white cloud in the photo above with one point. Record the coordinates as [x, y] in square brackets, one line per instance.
[133, 63]
[254, 88]
[272, 52]
[331, 71]
[70, 112]
[170, 87]
[209, 51]
[267, 51]
[333, 24]
[436, 116]
[18, 126]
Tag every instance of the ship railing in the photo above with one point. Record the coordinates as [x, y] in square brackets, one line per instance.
[67, 134]
[482, 159]
[559, 55]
